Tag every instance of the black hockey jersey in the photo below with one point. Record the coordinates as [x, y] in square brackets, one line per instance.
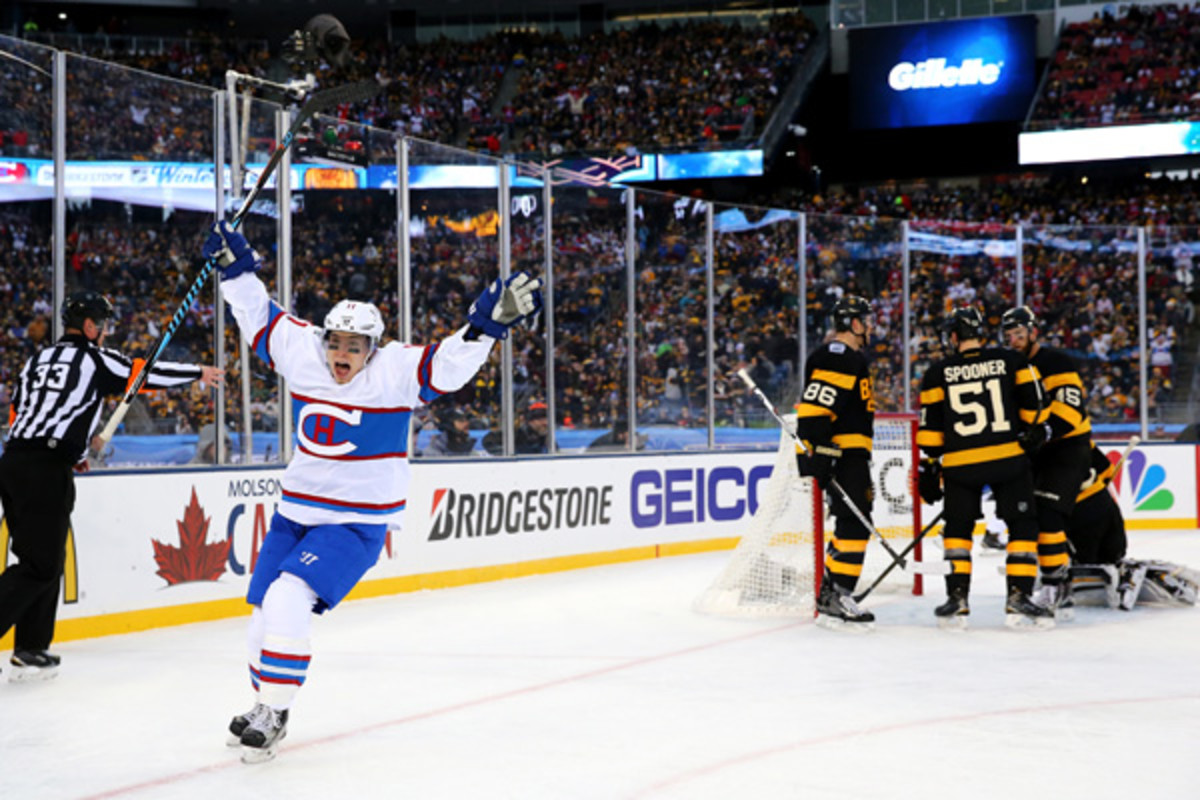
[1065, 396]
[838, 402]
[974, 405]
[1100, 475]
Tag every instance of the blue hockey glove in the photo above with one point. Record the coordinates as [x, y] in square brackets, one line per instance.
[505, 303]
[233, 253]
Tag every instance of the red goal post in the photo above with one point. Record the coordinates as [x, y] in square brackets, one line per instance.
[775, 569]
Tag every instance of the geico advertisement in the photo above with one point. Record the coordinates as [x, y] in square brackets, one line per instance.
[480, 513]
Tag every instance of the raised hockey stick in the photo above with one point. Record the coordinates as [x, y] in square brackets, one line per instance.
[858, 598]
[837, 487]
[319, 102]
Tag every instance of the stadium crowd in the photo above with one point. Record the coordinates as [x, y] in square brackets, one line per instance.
[693, 84]
[1136, 66]
[1077, 265]
[1079, 280]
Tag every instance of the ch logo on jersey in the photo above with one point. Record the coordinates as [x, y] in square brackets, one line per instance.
[319, 432]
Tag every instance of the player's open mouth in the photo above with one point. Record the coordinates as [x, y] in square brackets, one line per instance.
[341, 370]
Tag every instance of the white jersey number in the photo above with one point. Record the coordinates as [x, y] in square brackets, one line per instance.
[972, 400]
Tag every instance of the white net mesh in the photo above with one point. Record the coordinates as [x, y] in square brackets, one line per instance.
[772, 572]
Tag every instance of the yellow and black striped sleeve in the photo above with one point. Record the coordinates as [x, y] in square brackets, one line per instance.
[1066, 398]
[931, 436]
[1029, 394]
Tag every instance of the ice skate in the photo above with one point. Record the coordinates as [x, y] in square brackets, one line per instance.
[993, 542]
[1021, 613]
[836, 609]
[1056, 595]
[33, 665]
[262, 735]
[952, 614]
[238, 724]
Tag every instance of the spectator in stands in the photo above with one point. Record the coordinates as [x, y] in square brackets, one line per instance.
[453, 437]
[617, 439]
[206, 445]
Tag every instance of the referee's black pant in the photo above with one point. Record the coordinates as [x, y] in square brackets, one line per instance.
[38, 493]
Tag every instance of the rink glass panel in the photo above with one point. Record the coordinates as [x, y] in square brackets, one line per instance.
[591, 314]
[252, 396]
[527, 218]
[1172, 255]
[344, 244]
[861, 256]
[756, 315]
[955, 265]
[670, 303]
[454, 245]
[26, 216]
[1082, 283]
[142, 248]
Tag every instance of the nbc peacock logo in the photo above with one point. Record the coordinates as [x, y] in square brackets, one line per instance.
[1146, 483]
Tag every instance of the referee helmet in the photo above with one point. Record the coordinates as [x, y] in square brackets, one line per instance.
[85, 305]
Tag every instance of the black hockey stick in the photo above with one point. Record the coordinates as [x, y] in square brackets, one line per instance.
[858, 598]
[319, 102]
[897, 560]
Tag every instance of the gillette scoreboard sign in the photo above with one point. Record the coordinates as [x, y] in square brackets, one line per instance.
[942, 73]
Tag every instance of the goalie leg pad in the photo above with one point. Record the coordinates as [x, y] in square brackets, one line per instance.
[1169, 584]
[1092, 582]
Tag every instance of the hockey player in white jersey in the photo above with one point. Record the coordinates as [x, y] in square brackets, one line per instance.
[347, 483]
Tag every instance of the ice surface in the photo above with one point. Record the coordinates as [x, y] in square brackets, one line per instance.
[603, 683]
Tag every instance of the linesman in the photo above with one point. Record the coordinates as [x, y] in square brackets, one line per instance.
[975, 406]
[1060, 446]
[54, 409]
[835, 419]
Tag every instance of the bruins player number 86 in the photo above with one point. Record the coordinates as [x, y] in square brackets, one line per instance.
[835, 419]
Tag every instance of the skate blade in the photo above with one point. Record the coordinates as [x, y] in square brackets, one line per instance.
[839, 624]
[1020, 622]
[258, 755]
[1064, 614]
[956, 623]
[32, 674]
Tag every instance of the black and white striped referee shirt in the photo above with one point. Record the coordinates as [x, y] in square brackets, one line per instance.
[61, 390]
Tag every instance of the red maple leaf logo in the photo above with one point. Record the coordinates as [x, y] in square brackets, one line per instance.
[195, 559]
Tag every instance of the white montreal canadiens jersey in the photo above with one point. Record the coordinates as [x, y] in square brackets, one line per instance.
[351, 461]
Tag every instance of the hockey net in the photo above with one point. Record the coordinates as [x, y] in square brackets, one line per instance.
[776, 567]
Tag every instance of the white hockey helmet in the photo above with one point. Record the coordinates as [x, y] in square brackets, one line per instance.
[355, 316]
